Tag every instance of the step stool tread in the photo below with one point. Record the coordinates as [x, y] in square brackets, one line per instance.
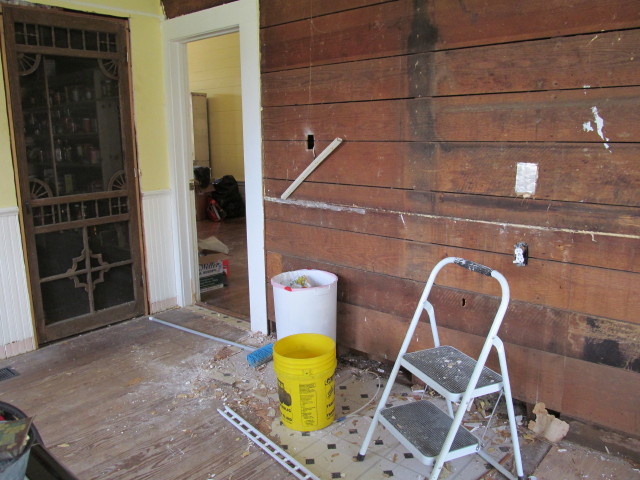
[450, 368]
[425, 426]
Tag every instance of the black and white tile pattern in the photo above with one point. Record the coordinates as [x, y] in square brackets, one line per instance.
[331, 452]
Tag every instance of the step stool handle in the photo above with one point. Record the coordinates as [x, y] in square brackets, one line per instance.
[473, 266]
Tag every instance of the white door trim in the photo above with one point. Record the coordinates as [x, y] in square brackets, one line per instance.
[242, 16]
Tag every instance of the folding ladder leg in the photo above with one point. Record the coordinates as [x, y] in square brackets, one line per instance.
[453, 430]
[381, 404]
[422, 305]
[514, 432]
[511, 413]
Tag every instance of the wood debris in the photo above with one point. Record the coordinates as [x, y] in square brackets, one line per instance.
[546, 425]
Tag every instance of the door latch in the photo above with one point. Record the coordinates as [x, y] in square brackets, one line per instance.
[192, 184]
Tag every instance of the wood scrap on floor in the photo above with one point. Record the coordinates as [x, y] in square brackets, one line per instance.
[546, 425]
[212, 244]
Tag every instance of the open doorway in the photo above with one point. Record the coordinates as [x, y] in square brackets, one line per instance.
[216, 102]
[241, 16]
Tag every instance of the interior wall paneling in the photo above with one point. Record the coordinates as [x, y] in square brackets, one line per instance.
[158, 240]
[441, 105]
[16, 329]
[415, 26]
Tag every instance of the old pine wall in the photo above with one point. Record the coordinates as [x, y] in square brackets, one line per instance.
[437, 102]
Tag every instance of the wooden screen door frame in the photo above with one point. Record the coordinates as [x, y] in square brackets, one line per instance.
[115, 204]
[239, 16]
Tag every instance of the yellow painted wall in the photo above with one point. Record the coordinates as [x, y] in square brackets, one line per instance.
[7, 186]
[214, 69]
[145, 18]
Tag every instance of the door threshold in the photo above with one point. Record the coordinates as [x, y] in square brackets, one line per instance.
[223, 311]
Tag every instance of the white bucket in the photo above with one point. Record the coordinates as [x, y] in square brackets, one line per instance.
[306, 310]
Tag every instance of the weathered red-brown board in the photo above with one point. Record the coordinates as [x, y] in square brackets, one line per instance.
[580, 172]
[578, 62]
[415, 26]
[177, 8]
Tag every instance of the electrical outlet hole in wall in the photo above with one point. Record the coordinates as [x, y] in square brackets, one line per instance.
[310, 142]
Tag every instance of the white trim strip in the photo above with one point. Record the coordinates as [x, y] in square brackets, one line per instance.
[8, 211]
[243, 16]
[155, 193]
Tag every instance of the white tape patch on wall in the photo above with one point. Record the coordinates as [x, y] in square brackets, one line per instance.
[526, 179]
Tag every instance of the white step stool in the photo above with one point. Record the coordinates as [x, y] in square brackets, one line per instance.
[432, 436]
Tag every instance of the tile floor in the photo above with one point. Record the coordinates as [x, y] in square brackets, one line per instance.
[330, 452]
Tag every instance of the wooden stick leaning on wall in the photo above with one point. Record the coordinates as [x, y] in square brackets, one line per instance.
[312, 166]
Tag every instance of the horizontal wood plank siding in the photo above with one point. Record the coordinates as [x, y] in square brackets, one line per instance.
[438, 103]
[513, 117]
[580, 217]
[566, 286]
[585, 61]
[177, 8]
[563, 383]
[416, 26]
[557, 245]
[284, 11]
[557, 331]
[579, 172]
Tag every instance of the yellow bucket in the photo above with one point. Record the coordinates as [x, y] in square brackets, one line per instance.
[305, 364]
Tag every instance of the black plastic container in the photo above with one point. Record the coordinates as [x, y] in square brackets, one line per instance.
[16, 468]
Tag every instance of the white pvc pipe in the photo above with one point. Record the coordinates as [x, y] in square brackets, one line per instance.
[205, 335]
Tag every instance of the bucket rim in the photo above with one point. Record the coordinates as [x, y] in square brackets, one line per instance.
[275, 284]
[324, 360]
[297, 336]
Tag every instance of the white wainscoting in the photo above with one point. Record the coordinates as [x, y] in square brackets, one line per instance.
[159, 245]
[16, 321]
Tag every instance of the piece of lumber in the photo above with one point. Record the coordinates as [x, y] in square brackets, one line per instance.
[312, 166]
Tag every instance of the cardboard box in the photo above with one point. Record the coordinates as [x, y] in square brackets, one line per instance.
[213, 269]
[211, 282]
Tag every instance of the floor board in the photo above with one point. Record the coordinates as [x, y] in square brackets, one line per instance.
[135, 401]
[233, 299]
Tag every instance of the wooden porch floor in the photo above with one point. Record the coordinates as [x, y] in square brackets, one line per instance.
[138, 400]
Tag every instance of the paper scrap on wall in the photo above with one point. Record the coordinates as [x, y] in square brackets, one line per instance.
[526, 178]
